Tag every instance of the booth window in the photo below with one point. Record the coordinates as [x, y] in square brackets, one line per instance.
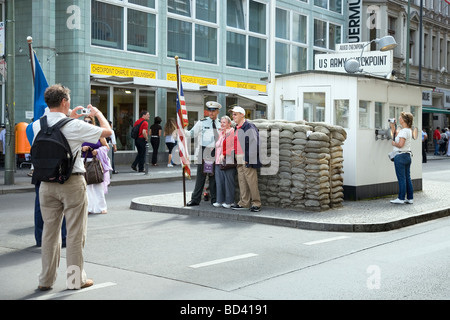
[364, 114]
[415, 113]
[341, 111]
[314, 106]
[380, 119]
[394, 112]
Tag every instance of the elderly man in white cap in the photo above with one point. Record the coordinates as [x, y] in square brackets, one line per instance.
[207, 132]
[247, 155]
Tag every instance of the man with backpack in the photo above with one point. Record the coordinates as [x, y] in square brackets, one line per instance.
[65, 197]
[141, 139]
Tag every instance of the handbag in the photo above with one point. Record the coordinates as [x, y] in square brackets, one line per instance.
[226, 166]
[208, 167]
[94, 171]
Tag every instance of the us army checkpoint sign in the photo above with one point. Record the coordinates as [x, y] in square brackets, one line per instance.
[373, 62]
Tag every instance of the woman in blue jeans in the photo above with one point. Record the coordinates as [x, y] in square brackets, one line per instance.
[402, 160]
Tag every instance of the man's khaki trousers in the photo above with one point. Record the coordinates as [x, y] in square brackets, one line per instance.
[59, 200]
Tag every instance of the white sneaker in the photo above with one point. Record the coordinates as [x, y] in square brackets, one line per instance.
[226, 205]
[216, 204]
[398, 201]
[409, 201]
[170, 165]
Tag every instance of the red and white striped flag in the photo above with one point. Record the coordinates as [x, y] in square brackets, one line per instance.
[182, 122]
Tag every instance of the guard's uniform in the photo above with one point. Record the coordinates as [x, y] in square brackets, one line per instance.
[205, 132]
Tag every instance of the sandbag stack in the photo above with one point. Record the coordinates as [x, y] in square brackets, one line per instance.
[309, 157]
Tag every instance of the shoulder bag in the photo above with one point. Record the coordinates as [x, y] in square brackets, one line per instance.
[94, 171]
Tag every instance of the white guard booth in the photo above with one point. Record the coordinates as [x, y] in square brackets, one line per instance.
[362, 104]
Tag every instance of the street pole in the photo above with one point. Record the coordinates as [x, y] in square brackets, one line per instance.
[10, 101]
[408, 45]
[420, 41]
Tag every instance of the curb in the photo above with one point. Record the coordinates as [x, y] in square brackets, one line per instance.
[295, 223]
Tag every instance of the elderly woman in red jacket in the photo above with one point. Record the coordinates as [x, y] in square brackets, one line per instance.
[225, 163]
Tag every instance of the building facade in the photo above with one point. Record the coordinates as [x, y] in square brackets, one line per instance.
[119, 54]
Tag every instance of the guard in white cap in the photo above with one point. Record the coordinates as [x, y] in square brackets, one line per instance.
[207, 132]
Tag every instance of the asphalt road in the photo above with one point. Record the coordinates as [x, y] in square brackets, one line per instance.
[154, 256]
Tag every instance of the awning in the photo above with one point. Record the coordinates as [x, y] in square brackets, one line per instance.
[434, 110]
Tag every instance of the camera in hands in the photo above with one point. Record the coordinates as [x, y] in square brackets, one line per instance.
[391, 120]
[85, 111]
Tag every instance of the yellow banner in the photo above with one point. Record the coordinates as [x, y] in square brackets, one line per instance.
[121, 72]
[192, 79]
[245, 85]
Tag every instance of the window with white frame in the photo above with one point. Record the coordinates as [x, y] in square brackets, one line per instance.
[394, 113]
[290, 46]
[380, 120]
[364, 114]
[341, 112]
[314, 106]
[125, 25]
[247, 34]
[192, 30]
[326, 35]
[332, 5]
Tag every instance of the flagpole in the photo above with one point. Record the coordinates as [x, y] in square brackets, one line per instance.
[182, 165]
[30, 48]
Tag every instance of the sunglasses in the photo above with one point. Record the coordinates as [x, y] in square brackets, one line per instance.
[88, 121]
[211, 109]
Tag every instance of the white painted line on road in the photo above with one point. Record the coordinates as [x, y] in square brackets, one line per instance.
[325, 240]
[72, 292]
[209, 263]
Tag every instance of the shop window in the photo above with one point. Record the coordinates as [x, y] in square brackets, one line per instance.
[147, 101]
[99, 99]
[314, 106]
[124, 118]
[364, 114]
[380, 119]
[341, 112]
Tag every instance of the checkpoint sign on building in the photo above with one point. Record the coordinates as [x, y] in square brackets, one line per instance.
[372, 62]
